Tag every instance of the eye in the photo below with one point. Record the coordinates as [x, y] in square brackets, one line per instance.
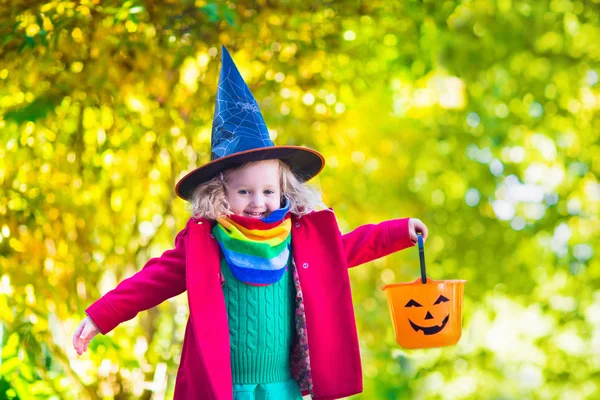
[269, 192]
[242, 191]
[441, 299]
[412, 303]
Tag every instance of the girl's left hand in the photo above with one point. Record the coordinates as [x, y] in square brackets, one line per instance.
[415, 226]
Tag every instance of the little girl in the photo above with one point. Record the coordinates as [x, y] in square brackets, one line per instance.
[266, 274]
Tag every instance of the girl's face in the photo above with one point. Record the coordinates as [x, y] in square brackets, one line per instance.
[254, 191]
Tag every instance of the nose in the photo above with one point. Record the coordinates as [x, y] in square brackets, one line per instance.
[257, 200]
[428, 316]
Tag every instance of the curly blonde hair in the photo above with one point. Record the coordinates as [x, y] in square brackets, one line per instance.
[209, 200]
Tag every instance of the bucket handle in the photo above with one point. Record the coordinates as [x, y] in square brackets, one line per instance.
[422, 258]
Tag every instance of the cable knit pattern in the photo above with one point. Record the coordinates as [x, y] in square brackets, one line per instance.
[233, 310]
[252, 321]
[281, 299]
[261, 328]
[270, 321]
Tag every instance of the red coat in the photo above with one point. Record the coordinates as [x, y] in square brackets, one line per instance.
[322, 256]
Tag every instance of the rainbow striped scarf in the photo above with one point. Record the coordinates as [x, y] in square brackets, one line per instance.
[257, 251]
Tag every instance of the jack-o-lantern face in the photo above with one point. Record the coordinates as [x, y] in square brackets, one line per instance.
[426, 314]
[431, 329]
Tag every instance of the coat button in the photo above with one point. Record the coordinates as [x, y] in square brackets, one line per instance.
[297, 224]
[305, 265]
[212, 236]
[200, 222]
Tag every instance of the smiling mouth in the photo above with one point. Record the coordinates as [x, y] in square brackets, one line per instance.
[254, 215]
[430, 330]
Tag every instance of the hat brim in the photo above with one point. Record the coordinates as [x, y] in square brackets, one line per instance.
[305, 163]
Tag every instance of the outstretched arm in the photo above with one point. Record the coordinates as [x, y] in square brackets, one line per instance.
[370, 242]
[161, 278]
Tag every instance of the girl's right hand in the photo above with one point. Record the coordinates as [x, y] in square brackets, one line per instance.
[84, 334]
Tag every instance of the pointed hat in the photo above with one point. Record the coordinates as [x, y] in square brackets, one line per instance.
[239, 135]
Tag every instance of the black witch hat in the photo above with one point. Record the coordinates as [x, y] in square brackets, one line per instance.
[239, 135]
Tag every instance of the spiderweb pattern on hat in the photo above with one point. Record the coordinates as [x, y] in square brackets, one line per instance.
[237, 116]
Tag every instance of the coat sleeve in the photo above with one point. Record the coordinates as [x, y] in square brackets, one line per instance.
[370, 242]
[161, 278]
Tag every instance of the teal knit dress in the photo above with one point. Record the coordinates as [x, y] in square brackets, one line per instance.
[261, 329]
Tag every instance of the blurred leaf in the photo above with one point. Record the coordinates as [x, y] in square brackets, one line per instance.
[9, 366]
[37, 109]
[212, 11]
[4, 390]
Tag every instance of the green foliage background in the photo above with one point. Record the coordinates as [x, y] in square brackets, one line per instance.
[478, 117]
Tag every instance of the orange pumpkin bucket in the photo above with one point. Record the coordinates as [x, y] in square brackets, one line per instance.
[426, 313]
